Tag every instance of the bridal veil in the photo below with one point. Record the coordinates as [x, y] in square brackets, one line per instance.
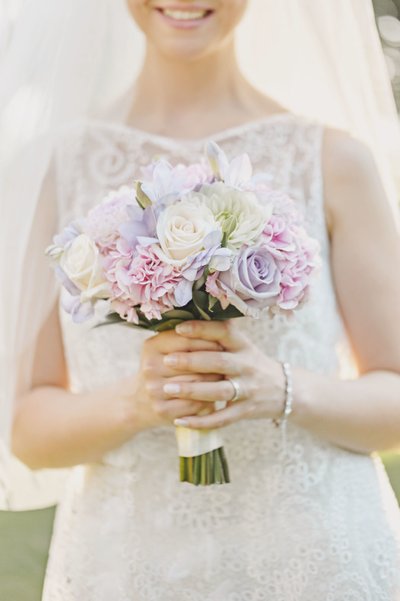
[61, 60]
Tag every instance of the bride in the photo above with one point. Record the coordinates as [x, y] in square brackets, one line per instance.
[310, 517]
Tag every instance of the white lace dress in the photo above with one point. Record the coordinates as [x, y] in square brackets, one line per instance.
[309, 522]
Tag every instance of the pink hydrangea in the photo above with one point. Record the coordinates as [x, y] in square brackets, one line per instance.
[279, 236]
[141, 279]
[296, 268]
[168, 183]
[196, 174]
[103, 221]
[296, 253]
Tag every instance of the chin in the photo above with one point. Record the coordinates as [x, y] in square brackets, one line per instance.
[187, 29]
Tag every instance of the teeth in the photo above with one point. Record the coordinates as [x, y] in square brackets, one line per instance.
[181, 15]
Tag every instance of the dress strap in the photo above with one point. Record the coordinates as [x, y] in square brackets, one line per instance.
[307, 185]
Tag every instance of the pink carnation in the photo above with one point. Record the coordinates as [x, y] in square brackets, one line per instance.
[141, 279]
[213, 288]
[125, 310]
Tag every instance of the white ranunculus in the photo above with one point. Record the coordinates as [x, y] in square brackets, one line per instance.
[182, 229]
[240, 213]
[81, 263]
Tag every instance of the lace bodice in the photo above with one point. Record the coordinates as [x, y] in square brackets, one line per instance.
[308, 521]
[97, 157]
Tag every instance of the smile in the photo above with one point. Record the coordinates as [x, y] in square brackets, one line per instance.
[181, 15]
[185, 18]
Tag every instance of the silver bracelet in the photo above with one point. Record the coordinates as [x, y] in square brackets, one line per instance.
[288, 406]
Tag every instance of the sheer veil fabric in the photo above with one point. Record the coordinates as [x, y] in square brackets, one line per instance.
[65, 60]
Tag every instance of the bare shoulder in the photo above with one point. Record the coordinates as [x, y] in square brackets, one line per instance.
[351, 178]
[344, 156]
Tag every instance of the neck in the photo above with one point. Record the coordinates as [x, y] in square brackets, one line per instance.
[211, 85]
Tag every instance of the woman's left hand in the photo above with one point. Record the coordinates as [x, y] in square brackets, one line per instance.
[259, 378]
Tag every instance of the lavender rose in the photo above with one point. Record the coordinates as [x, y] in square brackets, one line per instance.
[253, 282]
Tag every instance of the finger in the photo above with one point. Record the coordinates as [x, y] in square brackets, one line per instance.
[152, 358]
[155, 387]
[177, 408]
[166, 342]
[154, 367]
[204, 362]
[218, 419]
[200, 391]
[223, 332]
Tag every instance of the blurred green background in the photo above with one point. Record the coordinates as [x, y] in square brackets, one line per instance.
[391, 51]
[25, 537]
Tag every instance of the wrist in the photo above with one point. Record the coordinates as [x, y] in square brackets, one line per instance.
[288, 396]
[271, 391]
[127, 418]
[122, 408]
[303, 385]
[304, 389]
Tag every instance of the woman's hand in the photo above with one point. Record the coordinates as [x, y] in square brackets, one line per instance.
[260, 379]
[148, 405]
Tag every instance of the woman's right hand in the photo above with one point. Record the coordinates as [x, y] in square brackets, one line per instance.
[147, 405]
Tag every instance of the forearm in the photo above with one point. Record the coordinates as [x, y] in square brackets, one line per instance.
[56, 428]
[361, 415]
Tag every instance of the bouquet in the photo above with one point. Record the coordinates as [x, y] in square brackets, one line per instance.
[208, 240]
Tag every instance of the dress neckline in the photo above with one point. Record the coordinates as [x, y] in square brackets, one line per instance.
[217, 136]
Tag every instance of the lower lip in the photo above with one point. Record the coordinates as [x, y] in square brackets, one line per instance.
[184, 23]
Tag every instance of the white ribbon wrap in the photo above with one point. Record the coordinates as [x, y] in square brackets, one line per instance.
[192, 443]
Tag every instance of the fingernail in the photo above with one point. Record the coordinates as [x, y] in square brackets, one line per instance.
[181, 422]
[184, 328]
[171, 360]
[172, 388]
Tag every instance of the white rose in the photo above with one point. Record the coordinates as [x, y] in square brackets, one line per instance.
[81, 263]
[240, 213]
[181, 230]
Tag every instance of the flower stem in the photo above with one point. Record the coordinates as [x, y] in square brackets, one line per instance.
[205, 469]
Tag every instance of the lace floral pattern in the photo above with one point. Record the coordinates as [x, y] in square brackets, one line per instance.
[305, 521]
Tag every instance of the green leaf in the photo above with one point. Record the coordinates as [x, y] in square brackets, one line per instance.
[169, 324]
[200, 300]
[178, 314]
[212, 302]
[229, 313]
[142, 198]
[110, 320]
[200, 282]
[228, 223]
[203, 306]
